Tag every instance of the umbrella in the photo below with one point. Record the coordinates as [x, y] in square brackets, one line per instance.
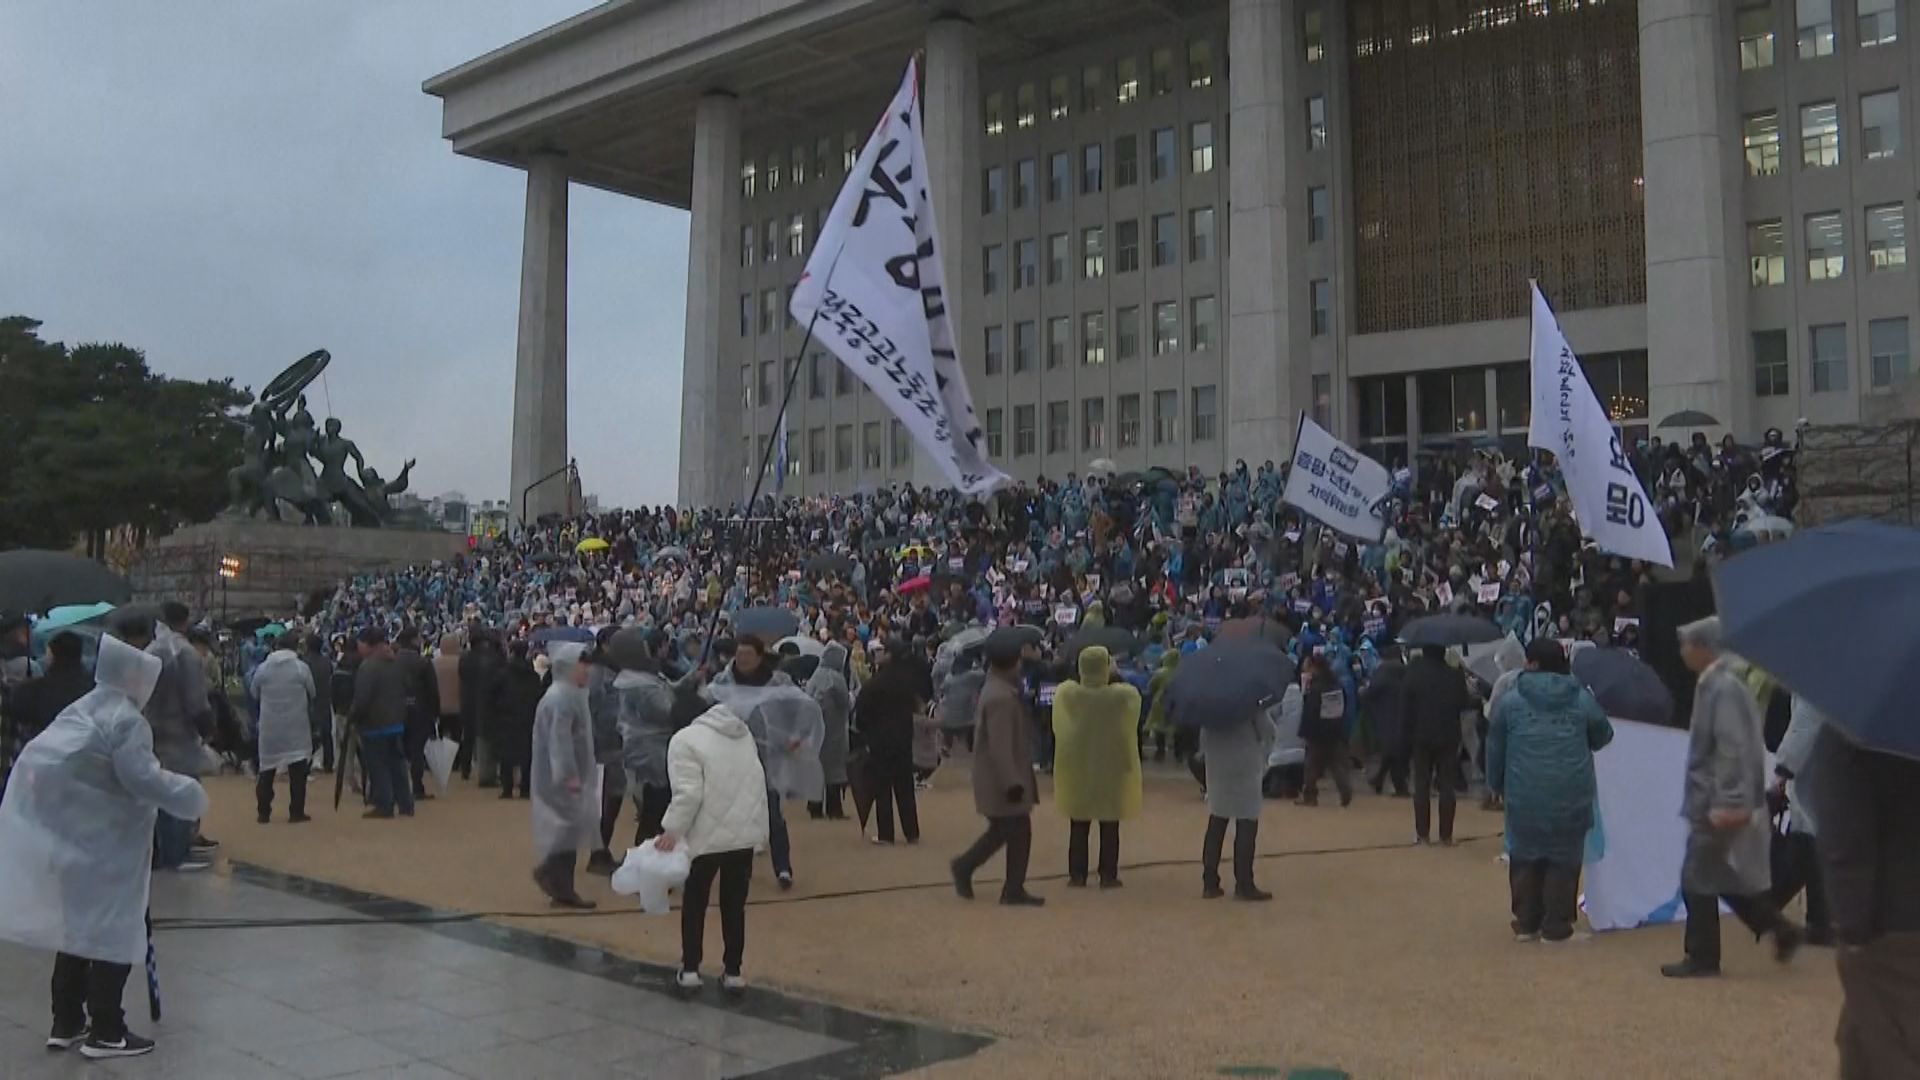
[969, 638]
[1221, 684]
[1448, 630]
[1829, 612]
[269, 631]
[1111, 638]
[1255, 626]
[913, 585]
[629, 649]
[35, 581]
[767, 623]
[808, 646]
[829, 562]
[800, 668]
[590, 545]
[548, 634]
[548, 558]
[1488, 660]
[1103, 465]
[672, 552]
[1686, 418]
[71, 615]
[1624, 685]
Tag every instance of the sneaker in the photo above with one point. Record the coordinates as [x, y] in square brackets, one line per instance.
[192, 865]
[1022, 899]
[1687, 969]
[58, 1039]
[785, 880]
[1526, 939]
[688, 982]
[733, 983]
[128, 1045]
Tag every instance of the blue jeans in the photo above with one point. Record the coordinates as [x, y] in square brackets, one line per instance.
[778, 846]
[388, 779]
[172, 841]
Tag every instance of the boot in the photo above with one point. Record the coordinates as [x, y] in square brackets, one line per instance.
[1246, 835]
[1210, 858]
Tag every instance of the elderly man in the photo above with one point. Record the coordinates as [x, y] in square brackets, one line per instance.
[1726, 808]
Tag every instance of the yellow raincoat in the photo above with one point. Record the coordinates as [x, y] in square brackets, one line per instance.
[1096, 757]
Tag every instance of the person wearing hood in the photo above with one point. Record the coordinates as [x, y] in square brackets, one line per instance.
[645, 707]
[1096, 762]
[1540, 745]
[76, 837]
[719, 811]
[283, 685]
[513, 697]
[828, 686]
[747, 681]
[566, 788]
[1159, 724]
[604, 706]
[181, 714]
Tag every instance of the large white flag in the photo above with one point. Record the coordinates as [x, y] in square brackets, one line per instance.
[875, 284]
[1568, 421]
[1337, 484]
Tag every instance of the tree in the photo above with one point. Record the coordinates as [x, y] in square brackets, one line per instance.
[92, 439]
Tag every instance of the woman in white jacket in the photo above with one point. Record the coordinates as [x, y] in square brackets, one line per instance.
[719, 811]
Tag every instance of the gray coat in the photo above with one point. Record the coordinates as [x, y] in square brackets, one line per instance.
[1236, 763]
[179, 709]
[646, 726]
[829, 687]
[1726, 770]
[1795, 756]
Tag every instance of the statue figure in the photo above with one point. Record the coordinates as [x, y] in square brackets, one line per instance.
[379, 492]
[333, 450]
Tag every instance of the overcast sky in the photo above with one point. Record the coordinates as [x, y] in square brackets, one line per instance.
[230, 184]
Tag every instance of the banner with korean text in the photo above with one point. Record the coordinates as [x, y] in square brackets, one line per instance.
[1336, 484]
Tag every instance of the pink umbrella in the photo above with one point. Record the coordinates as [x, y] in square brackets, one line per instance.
[914, 584]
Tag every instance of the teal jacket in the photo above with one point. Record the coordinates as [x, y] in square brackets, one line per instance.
[1540, 746]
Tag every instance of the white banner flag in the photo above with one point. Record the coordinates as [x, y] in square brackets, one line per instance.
[1337, 484]
[875, 283]
[1568, 421]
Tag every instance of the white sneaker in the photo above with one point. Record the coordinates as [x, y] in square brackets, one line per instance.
[733, 984]
[193, 865]
[1526, 939]
[688, 982]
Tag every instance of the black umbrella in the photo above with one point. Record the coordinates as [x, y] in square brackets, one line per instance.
[767, 623]
[1221, 684]
[37, 581]
[1256, 626]
[1111, 638]
[1449, 630]
[1686, 418]
[548, 558]
[671, 552]
[1624, 685]
[830, 562]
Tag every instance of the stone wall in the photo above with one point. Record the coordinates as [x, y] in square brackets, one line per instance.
[280, 563]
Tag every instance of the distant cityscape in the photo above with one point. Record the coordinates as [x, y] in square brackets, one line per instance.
[454, 512]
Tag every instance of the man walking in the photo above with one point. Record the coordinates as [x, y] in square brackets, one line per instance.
[320, 667]
[181, 715]
[379, 714]
[283, 685]
[423, 707]
[1004, 787]
[1435, 696]
[566, 791]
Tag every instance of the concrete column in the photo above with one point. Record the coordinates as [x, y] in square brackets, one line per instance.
[1413, 417]
[540, 360]
[951, 107]
[1696, 302]
[1268, 378]
[709, 429]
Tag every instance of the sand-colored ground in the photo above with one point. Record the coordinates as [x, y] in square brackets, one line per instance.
[1375, 957]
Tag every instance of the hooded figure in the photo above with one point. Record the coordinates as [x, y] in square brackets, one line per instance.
[1159, 724]
[828, 686]
[76, 838]
[566, 779]
[646, 726]
[1096, 762]
[283, 685]
[789, 729]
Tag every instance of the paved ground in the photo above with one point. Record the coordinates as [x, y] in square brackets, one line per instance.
[436, 1001]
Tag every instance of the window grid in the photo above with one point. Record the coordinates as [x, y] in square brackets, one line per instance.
[1093, 338]
[1761, 133]
[1127, 432]
[1093, 252]
[1205, 414]
[1886, 353]
[1770, 363]
[1826, 246]
[1827, 360]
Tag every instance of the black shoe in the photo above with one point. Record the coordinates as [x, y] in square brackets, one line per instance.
[1022, 899]
[962, 881]
[785, 880]
[1249, 892]
[381, 814]
[507, 794]
[127, 1045]
[62, 1039]
[264, 818]
[575, 902]
[1378, 783]
[296, 819]
[601, 862]
[422, 796]
[1212, 892]
[1687, 969]
[1786, 942]
[1076, 883]
[1346, 799]
[201, 843]
[1111, 883]
[1818, 936]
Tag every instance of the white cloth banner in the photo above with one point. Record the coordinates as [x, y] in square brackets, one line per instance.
[1336, 484]
[1613, 508]
[875, 284]
[1640, 777]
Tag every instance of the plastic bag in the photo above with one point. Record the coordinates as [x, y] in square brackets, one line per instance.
[439, 754]
[649, 872]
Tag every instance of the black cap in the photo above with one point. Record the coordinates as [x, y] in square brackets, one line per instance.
[373, 635]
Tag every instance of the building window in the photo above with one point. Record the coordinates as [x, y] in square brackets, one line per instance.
[1023, 335]
[816, 378]
[1023, 434]
[1383, 405]
[1320, 303]
[797, 236]
[1093, 423]
[1205, 325]
[1126, 80]
[786, 307]
[1128, 434]
[748, 242]
[1058, 176]
[772, 174]
[1820, 135]
[770, 241]
[1026, 264]
[1323, 401]
[1815, 21]
[1093, 252]
[1827, 362]
[1826, 246]
[850, 150]
[1762, 135]
[1126, 246]
[870, 445]
[1023, 179]
[1091, 177]
[1770, 364]
[1878, 25]
[1162, 147]
[797, 171]
[769, 310]
[990, 268]
[1319, 215]
[1059, 340]
[1058, 88]
[996, 349]
[1316, 123]
[1023, 106]
[993, 113]
[1056, 258]
[899, 449]
[822, 156]
[746, 314]
[1093, 337]
[996, 423]
[749, 175]
[765, 383]
[1454, 402]
[1200, 234]
[1126, 161]
[1886, 353]
[1199, 64]
[1754, 23]
[746, 386]
[1166, 246]
[1162, 71]
[816, 451]
[1093, 87]
[1313, 35]
[1886, 237]
[842, 380]
[1767, 253]
[1205, 413]
[1166, 417]
[1166, 328]
[993, 183]
[1880, 124]
[1126, 333]
[1057, 420]
[1200, 146]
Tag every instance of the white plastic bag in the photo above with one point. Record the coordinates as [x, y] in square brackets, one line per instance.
[649, 872]
[439, 754]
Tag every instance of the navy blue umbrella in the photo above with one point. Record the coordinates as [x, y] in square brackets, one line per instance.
[769, 623]
[1449, 629]
[1220, 684]
[1830, 612]
[1624, 685]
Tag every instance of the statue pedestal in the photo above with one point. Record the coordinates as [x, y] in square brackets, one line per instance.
[280, 563]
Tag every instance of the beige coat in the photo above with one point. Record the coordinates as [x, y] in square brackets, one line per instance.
[1003, 752]
[1726, 770]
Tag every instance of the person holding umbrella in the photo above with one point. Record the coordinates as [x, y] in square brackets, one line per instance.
[1096, 762]
[1005, 789]
[1227, 691]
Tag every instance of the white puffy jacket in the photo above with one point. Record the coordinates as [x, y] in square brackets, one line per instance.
[719, 790]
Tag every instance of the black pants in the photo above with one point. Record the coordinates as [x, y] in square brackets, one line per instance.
[323, 740]
[1013, 833]
[554, 875]
[652, 804]
[1246, 839]
[831, 808]
[296, 790]
[1327, 756]
[1077, 832]
[735, 871]
[418, 734]
[1703, 922]
[1546, 897]
[452, 728]
[88, 991]
[609, 816]
[1393, 767]
[507, 769]
[1435, 767]
[893, 784]
[1802, 871]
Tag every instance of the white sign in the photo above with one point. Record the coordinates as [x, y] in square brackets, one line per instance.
[1487, 502]
[1337, 484]
[1443, 594]
[1488, 593]
[873, 292]
[1065, 615]
[1611, 506]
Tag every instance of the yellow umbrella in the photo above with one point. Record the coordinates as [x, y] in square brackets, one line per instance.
[592, 544]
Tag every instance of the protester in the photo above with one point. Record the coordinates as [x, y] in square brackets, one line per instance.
[1323, 727]
[1383, 706]
[719, 811]
[566, 787]
[446, 682]
[320, 709]
[66, 680]
[603, 705]
[645, 702]
[1236, 765]
[1436, 695]
[379, 716]
[513, 700]
[884, 715]
[828, 686]
[1096, 762]
[744, 684]
[283, 685]
[480, 665]
[181, 715]
[423, 707]
[1005, 789]
[1794, 794]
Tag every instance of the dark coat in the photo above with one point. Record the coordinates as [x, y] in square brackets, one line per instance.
[320, 706]
[1003, 782]
[479, 667]
[423, 687]
[883, 714]
[516, 693]
[1323, 715]
[38, 701]
[1868, 806]
[1435, 696]
[1385, 703]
